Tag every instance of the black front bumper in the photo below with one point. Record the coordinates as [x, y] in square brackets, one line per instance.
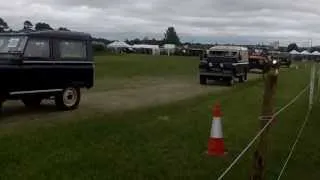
[221, 74]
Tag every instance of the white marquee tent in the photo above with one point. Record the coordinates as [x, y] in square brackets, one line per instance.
[118, 44]
[155, 50]
[306, 53]
[294, 52]
[316, 53]
[169, 48]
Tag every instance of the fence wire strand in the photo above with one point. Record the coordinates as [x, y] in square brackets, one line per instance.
[260, 132]
[294, 144]
[311, 99]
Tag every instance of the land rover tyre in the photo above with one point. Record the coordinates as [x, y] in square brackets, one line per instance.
[231, 81]
[2, 99]
[241, 78]
[203, 80]
[1, 108]
[32, 101]
[244, 77]
[68, 99]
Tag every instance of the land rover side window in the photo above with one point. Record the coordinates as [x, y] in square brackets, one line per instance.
[38, 48]
[70, 49]
[12, 44]
[223, 53]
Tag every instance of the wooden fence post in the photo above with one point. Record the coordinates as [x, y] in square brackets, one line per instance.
[259, 163]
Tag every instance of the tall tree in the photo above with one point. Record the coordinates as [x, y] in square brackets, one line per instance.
[27, 25]
[63, 29]
[153, 41]
[136, 41]
[127, 41]
[43, 26]
[3, 25]
[292, 46]
[171, 37]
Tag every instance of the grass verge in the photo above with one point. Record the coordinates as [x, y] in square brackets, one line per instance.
[163, 142]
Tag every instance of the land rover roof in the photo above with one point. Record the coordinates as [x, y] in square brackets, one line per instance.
[228, 48]
[53, 34]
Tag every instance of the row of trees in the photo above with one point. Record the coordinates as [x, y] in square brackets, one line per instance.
[170, 36]
[28, 26]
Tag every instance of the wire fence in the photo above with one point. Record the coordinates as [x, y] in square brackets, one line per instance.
[294, 144]
[310, 86]
[311, 101]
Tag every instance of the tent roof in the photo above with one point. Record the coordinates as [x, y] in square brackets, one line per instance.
[294, 52]
[146, 46]
[305, 52]
[118, 44]
[169, 46]
[316, 53]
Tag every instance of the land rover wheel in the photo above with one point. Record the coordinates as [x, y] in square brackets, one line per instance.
[241, 78]
[1, 108]
[203, 80]
[32, 102]
[2, 99]
[245, 77]
[68, 99]
[231, 81]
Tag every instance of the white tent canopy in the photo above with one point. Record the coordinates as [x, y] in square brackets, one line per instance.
[294, 52]
[305, 52]
[169, 46]
[146, 46]
[155, 48]
[118, 44]
[316, 53]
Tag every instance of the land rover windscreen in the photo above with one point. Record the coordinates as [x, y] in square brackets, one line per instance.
[11, 46]
[223, 56]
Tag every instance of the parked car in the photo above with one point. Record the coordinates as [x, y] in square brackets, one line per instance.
[224, 63]
[45, 64]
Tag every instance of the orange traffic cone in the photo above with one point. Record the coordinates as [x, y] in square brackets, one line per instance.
[216, 141]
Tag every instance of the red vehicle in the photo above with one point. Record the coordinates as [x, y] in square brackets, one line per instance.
[258, 60]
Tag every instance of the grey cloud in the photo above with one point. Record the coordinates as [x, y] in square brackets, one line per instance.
[205, 20]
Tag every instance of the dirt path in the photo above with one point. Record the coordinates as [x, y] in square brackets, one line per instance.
[145, 96]
[157, 91]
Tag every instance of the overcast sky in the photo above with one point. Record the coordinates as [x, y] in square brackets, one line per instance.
[237, 21]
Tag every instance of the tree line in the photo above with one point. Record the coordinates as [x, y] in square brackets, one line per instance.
[170, 36]
[28, 26]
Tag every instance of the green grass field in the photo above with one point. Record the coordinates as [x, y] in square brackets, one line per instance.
[166, 141]
[123, 66]
[117, 71]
